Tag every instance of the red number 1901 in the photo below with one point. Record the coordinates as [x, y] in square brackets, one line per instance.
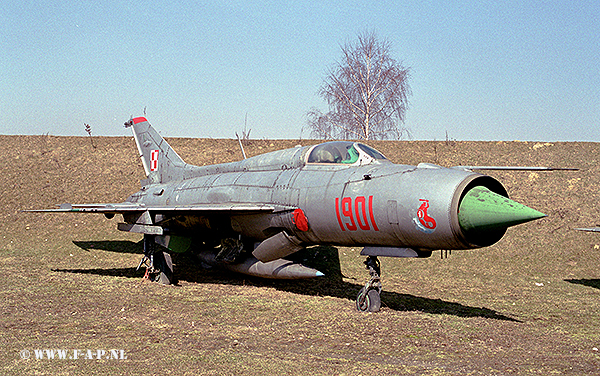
[352, 216]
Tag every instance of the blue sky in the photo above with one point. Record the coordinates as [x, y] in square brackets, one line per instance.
[487, 70]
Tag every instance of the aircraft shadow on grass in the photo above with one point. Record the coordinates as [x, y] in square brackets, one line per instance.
[323, 258]
[595, 283]
[119, 246]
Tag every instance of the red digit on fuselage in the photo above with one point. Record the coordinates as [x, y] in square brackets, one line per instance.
[347, 212]
[337, 212]
[360, 201]
[371, 214]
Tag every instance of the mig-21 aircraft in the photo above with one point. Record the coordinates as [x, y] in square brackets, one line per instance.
[249, 215]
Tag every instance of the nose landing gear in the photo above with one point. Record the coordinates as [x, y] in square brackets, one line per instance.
[368, 299]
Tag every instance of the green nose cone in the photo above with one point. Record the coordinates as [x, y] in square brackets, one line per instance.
[482, 209]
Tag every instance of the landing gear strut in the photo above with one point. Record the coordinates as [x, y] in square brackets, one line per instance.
[368, 299]
[159, 266]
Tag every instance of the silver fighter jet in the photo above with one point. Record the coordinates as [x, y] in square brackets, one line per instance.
[249, 215]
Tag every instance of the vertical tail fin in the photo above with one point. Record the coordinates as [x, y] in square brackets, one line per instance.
[161, 163]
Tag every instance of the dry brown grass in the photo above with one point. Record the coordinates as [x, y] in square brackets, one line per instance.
[527, 305]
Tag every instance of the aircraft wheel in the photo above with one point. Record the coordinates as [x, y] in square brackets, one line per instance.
[369, 301]
[163, 262]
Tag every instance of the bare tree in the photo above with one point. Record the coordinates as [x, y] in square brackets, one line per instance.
[367, 93]
[88, 129]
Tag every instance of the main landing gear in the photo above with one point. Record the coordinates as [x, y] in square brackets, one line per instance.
[158, 263]
[368, 299]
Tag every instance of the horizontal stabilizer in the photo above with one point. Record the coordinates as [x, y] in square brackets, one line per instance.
[90, 208]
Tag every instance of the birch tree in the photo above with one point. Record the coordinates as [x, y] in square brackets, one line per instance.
[367, 94]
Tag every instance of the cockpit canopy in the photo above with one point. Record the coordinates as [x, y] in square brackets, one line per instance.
[344, 152]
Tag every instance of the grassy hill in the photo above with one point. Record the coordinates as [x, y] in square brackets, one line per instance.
[528, 305]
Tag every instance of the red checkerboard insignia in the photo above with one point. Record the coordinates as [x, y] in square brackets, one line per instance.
[153, 160]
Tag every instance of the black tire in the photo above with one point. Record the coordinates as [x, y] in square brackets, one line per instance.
[163, 261]
[369, 302]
